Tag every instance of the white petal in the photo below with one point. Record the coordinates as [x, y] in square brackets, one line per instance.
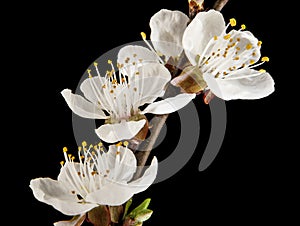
[150, 83]
[133, 53]
[93, 91]
[169, 105]
[112, 133]
[57, 195]
[75, 221]
[114, 193]
[255, 87]
[123, 169]
[142, 183]
[81, 106]
[167, 29]
[198, 33]
[111, 193]
[133, 56]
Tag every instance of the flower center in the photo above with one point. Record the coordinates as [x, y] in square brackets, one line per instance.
[118, 91]
[228, 53]
[93, 168]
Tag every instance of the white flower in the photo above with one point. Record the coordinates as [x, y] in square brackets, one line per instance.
[118, 96]
[226, 60]
[99, 178]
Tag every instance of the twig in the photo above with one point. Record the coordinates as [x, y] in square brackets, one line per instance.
[220, 4]
[146, 147]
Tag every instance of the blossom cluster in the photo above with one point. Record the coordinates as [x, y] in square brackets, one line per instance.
[219, 61]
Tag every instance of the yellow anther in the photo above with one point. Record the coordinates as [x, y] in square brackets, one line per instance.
[79, 148]
[262, 71]
[236, 58]
[243, 27]
[215, 38]
[89, 71]
[232, 22]
[109, 62]
[248, 46]
[65, 149]
[125, 143]
[100, 144]
[62, 163]
[73, 157]
[95, 64]
[226, 37]
[265, 59]
[95, 147]
[90, 76]
[119, 144]
[70, 156]
[84, 143]
[259, 43]
[144, 36]
[252, 61]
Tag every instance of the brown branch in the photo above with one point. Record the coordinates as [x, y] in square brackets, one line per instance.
[220, 4]
[156, 124]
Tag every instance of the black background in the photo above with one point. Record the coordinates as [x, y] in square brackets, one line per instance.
[250, 181]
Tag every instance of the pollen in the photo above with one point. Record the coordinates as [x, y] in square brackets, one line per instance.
[84, 143]
[262, 71]
[62, 163]
[232, 22]
[252, 61]
[65, 149]
[109, 62]
[265, 59]
[226, 37]
[243, 27]
[125, 143]
[119, 144]
[248, 46]
[95, 64]
[215, 38]
[144, 36]
[259, 43]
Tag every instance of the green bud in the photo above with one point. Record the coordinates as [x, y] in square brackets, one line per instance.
[144, 205]
[143, 215]
[127, 205]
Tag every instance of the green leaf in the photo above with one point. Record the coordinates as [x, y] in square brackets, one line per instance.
[144, 205]
[143, 215]
[127, 205]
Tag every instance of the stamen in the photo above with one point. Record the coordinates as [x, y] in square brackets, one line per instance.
[243, 27]
[265, 59]
[262, 71]
[144, 36]
[226, 37]
[259, 43]
[232, 22]
[248, 46]
[89, 72]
